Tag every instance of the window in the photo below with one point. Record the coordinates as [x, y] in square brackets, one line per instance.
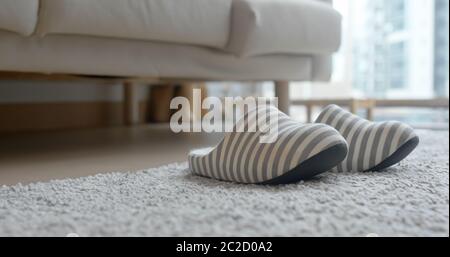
[396, 48]
[394, 14]
[396, 65]
[391, 49]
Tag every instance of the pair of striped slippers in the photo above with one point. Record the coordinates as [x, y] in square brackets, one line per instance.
[337, 141]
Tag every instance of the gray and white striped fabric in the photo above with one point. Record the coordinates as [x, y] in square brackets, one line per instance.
[369, 143]
[241, 157]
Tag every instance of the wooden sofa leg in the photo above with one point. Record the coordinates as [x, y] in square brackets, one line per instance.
[130, 104]
[282, 92]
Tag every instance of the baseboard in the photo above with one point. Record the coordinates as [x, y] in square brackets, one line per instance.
[19, 117]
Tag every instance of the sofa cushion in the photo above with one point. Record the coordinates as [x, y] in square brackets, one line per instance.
[19, 16]
[200, 22]
[284, 26]
[72, 54]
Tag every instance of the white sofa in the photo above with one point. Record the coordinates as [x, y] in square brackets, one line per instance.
[280, 40]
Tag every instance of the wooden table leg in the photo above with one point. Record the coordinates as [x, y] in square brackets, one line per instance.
[282, 92]
[353, 106]
[309, 113]
[130, 104]
[370, 110]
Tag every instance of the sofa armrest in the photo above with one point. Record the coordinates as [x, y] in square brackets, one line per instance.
[262, 27]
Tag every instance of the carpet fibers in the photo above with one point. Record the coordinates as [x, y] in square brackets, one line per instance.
[410, 199]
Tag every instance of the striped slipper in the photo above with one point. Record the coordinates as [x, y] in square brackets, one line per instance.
[372, 146]
[299, 151]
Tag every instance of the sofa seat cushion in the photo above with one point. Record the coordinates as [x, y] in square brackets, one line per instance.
[199, 22]
[73, 54]
[284, 26]
[19, 16]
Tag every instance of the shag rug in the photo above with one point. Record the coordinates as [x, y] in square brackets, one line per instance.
[410, 199]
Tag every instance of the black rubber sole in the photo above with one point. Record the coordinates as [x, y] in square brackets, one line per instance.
[398, 155]
[315, 165]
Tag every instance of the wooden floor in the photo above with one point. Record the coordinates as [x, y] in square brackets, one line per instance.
[26, 158]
